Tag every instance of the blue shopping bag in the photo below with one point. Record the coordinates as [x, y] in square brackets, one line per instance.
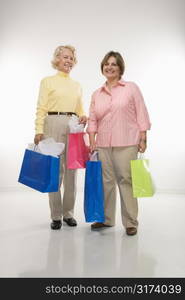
[40, 171]
[93, 192]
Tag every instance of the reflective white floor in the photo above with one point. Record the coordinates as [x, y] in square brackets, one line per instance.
[28, 248]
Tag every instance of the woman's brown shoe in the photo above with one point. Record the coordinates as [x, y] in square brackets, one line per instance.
[98, 225]
[131, 230]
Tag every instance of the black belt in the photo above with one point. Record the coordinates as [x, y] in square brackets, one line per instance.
[61, 113]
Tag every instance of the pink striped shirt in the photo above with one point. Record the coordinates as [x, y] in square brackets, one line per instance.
[118, 116]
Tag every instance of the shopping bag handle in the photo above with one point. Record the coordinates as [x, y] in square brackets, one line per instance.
[35, 146]
[94, 156]
[141, 155]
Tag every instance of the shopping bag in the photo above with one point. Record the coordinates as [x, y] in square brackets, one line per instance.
[77, 152]
[93, 192]
[142, 183]
[40, 171]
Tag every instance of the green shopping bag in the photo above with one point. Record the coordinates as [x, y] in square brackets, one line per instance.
[142, 183]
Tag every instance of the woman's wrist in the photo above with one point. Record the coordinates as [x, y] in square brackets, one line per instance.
[143, 140]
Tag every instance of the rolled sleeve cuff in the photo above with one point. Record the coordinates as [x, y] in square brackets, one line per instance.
[39, 131]
[92, 129]
[145, 127]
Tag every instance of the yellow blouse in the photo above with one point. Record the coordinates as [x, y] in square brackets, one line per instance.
[58, 93]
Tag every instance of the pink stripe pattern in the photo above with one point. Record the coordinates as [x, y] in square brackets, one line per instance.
[118, 116]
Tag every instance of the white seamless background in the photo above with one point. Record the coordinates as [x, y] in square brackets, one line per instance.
[149, 34]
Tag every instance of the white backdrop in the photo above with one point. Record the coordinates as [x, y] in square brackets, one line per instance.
[149, 34]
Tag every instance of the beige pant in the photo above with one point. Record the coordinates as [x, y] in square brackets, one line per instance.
[116, 170]
[56, 126]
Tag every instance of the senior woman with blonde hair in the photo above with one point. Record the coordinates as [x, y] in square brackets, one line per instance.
[59, 98]
[117, 127]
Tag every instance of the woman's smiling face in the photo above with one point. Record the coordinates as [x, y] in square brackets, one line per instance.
[66, 61]
[110, 69]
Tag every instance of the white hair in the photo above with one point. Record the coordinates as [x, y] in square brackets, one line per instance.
[57, 52]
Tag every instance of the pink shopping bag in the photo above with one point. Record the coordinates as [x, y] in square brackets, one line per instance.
[78, 151]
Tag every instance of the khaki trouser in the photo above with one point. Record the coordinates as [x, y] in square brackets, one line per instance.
[116, 170]
[56, 126]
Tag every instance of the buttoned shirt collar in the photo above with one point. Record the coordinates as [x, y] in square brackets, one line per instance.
[120, 82]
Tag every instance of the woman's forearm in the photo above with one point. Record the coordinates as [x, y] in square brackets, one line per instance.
[143, 136]
[92, 141]
[92, 137]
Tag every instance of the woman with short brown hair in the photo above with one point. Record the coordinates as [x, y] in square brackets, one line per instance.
[117, 126]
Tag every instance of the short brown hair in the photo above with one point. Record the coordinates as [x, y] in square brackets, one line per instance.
[119, 60]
